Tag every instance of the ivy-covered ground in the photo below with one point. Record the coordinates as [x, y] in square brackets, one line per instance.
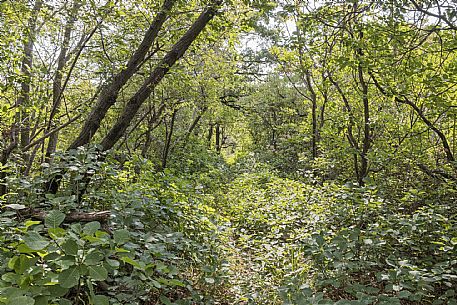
[238, 233]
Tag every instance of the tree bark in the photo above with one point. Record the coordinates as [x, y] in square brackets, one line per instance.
[168, 136]
[108, 96]
[218, 138]
[22, 118]
[315, 129]
[193, 125]
[349, 134]
[57, 84]
[366, 144]
[153, 123]
[178, 50]
[210, 135]
[71, 217]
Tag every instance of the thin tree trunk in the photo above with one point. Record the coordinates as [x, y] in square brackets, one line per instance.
[151, 126]
[168, 136]
[315, 130]
[210, 135]
[193, 126]
[57, 84]
[349, 133]
[404, 100]
[23, 117]
[3, 160]
[366, 144]
[218, 138]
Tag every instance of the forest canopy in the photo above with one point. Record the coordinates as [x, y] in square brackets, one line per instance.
[228, 152]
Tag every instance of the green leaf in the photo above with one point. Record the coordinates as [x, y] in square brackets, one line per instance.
[69, 278]
[100, 300]
[65, 302]
[30, 223]
[42, 300]
[113, 263]
[121, 236]
[132, 262]
[56, 233]
[23, 248]
[70, 247]
[98, 273]
[93, 258]
[21, 300]
[35, 241]
[57, 291]
[165, 300]
[91, 227]
[13, 261]
[404, 294]
[54, 219]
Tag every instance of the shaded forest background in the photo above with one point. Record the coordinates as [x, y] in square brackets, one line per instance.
[228, 152]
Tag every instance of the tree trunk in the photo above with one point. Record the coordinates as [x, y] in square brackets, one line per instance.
[349, 134]
[315, 129]
[218, 138]
[134, 104]
[23, 117]
[193, 125]
[57, 84]
[110, 92]
[366, 128]
[151, 126]
[210, 135]
[168, 136]
[404, 100]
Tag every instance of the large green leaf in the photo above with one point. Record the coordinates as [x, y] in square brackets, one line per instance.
[57, 291]
[100, 300]
[35, 241]
[70, 247]
[69, 278]
[54, 219]
[21, 300]
[121, 236]
[91, 227]
[93, 258]
[42, 300]
[98, 273]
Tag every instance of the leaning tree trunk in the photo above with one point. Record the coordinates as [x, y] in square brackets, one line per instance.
[404, 100]
[135, 102]
[108, 97]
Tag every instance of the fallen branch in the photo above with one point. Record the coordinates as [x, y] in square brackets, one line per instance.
[436, 173]
[71, 217]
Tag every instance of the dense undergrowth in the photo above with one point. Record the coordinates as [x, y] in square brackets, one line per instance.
[218, 233]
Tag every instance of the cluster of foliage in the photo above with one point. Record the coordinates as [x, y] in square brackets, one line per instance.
[160, 242]
[336, 244]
